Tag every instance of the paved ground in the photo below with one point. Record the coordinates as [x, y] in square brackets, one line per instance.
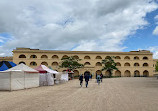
[117, 94]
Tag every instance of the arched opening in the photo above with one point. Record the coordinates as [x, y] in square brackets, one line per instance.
[145, 73]
[127, 64]
[33, 56]
[22, 62]
[22, 56]
[107, 74]
[145, 65]
[87, 63]
[127, 58]
[87, 73]
[76, 57]
[64, 70]
[55, 64]
[44, 63]
[107, 57]
[145, 58]
[44, 56]
[98, 64]
[117, 57]
[55, 57]
[98, 72]
[136, 58]
[87, 57]
[76, 74]
[33, 64]
[127, 73]
[64, 57]
[118, 73]
[118, 64]
[98, 57]
[136, 73]
[136, 64]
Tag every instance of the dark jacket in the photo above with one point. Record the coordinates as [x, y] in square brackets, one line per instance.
[101, 76]
[86, 77]
[81, 78]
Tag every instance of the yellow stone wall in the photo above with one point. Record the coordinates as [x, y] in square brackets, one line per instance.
[6, 58]
[48, 57]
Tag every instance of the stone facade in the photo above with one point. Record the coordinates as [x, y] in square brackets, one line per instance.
[133, 63]
[154, 64]
[6, 58]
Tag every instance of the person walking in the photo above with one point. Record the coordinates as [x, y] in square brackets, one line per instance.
[98, 79]
[96, 76]
[81, 79]
[86, 79]
[101, 77]
[91, 76]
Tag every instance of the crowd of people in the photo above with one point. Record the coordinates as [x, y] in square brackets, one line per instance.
[99, 78]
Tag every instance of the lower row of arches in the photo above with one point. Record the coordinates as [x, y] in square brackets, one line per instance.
[118, 73]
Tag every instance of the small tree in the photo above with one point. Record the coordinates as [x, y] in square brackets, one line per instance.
[109, 65]
[156, 66]
[70, 63]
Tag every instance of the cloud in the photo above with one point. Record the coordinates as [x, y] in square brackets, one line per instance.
[154, 49]
[101, 25]
[156, 17]
[155, 32]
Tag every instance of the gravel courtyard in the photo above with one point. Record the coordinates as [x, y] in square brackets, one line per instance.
[116, 94]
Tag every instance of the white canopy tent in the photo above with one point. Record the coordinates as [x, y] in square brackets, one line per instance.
[64, 76]
[49, 70]
[47, 76]
[19, 77]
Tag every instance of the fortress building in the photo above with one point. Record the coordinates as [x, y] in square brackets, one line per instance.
[133, 63]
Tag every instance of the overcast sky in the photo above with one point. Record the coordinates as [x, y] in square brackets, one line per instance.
[88, 25]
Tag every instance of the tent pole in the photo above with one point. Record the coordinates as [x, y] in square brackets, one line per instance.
[24, 80]
[10, 82]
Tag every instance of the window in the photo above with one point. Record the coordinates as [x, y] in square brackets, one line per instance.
[98, 57]
[117, 57]
[127, 64]
[22, 56]
[87, 57]
[87, 63]
[54, 64]
[76, 57]
[98, 64]
[118, 64]
[44, 63]
[107, 57]
[136, 64]
[33, 56]
[145, 58]
[22, 62]
[33, 64]
[127, 58]
[44, 56]
[145, 65]
[136, 58]
[55, 57]
[65, 56]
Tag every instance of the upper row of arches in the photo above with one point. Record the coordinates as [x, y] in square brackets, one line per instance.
[86, 57]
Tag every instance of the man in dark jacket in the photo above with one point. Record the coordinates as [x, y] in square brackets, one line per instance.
[101, 77]
[86, 79]
[81, 79]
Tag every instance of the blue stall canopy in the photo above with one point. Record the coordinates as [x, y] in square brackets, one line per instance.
[4, 65]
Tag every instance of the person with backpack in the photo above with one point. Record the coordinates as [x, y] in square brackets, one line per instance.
[101, 77]
[86, 79]
[98, 79]
[81, 79]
